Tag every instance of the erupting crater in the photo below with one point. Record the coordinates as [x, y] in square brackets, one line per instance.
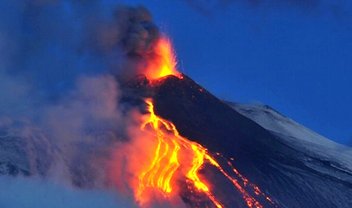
[162, 62]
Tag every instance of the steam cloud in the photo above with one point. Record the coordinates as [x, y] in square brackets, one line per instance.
[60, 115]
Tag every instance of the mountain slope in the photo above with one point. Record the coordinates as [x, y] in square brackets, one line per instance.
[291, 175]
[295, 134]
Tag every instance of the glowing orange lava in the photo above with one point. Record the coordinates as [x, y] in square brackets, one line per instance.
[170, 146]
[163, 62]
[169, 163]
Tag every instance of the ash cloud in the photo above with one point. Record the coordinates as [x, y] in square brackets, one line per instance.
[134, 31]
[49, 44]
[131, 34]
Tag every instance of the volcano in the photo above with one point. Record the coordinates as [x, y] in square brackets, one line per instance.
[274, 159]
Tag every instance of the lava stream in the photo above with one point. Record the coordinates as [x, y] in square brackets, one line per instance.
[168, 162]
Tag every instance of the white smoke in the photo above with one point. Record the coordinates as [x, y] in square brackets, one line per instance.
[68, 134]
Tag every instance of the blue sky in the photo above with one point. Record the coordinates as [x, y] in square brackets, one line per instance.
[294, 57]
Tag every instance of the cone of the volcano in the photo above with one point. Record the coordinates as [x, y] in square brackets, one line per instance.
[202, 117]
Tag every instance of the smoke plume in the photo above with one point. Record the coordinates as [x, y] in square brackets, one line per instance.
[49, 44]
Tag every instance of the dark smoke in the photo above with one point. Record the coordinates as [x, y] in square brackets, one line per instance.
[50, 43]
[132, 35]
[140, 31]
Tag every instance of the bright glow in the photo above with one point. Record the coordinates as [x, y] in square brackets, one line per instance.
[171, 147]
[163, 62]
[177, 157]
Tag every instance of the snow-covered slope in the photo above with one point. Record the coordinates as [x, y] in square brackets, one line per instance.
[296, 135]
[24, 149]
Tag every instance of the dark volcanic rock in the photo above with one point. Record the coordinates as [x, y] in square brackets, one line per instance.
[202, 117]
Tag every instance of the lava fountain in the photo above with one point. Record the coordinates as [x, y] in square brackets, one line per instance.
[162, 61]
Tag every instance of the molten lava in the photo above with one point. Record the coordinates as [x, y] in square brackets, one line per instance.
[171, 147]
[162, 62]
[171, 162]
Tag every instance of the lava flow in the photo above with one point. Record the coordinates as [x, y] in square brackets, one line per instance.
[171, 162]
[167, 160]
